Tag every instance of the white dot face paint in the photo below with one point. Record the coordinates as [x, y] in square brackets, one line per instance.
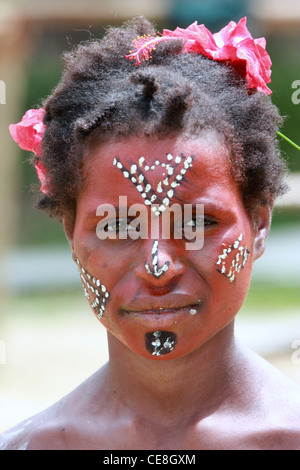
[240, 258]
[155, 270]
[95, 292]
[172, 175]
[159, 343]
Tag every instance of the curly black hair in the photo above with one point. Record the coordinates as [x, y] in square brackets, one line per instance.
[103, 95]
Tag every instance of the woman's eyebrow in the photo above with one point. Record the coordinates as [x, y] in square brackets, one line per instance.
[92, 214]
[215, 206]
[209, 205]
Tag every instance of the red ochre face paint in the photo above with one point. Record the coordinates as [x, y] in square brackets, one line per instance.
[153, 285]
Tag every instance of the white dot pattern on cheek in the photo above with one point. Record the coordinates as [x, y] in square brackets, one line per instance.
[164, 190]
[238, 262]
[94, 291]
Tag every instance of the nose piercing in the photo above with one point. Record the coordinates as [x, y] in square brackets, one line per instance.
[156, 271]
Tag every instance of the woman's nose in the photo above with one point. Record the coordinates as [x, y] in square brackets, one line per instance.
[159, 265]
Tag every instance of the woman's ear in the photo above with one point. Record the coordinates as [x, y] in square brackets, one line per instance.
[68, 225]
[262, 223]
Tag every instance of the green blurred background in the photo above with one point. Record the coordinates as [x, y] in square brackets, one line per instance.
[49, 341]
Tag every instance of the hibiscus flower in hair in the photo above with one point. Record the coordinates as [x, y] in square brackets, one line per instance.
[28, 133]
[233, 44]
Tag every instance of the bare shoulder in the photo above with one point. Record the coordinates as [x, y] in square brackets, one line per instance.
[14, 439]
[36, 433]
[60, 427]
[44, 431]
[276, 407]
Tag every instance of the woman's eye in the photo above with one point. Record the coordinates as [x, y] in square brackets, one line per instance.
[118, 229]
[120, 225]
[199, 222]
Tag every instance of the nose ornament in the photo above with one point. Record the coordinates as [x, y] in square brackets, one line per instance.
[155, 270]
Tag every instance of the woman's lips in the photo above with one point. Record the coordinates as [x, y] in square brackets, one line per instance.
[162, 318]
[161, 310]
[163, 305]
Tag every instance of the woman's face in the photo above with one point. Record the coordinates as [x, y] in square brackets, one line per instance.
[163, 296]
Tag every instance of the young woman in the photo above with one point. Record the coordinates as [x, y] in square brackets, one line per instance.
[126, 150]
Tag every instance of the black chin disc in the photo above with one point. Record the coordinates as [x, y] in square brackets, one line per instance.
[159, 343]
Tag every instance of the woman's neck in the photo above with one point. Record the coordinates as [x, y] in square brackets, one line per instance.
[193, 385]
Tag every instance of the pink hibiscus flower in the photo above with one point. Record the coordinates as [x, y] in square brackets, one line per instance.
[29, 134]
[233, 43]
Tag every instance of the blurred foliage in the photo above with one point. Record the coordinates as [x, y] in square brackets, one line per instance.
[284, 51]
[270, 299]
[44, 71]
[285, 217]
[213, 13]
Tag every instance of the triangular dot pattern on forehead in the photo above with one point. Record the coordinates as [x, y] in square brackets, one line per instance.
[173, 172]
